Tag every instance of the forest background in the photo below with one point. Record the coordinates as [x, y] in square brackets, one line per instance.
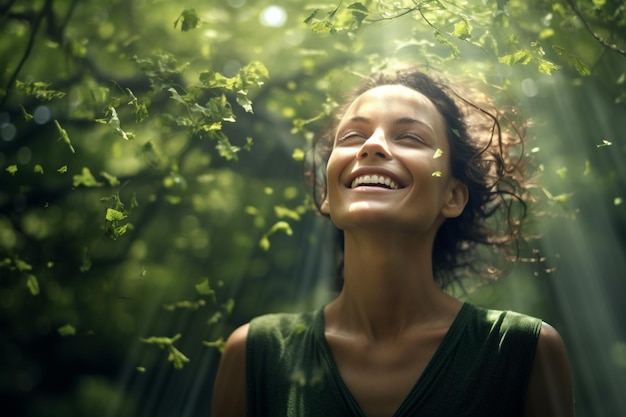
[151, 196]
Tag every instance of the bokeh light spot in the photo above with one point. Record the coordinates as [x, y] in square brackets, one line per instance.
[41, 115]
[24, 155]
[273, 16]
[529, 87]
[7, 132]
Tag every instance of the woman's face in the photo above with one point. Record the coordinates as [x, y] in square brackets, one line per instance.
[389, 166]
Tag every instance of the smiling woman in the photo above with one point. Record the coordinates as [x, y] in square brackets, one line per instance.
[411, 180]
[483, 155]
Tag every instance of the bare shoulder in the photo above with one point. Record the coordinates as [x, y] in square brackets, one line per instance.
[550, 385]
[229, 393]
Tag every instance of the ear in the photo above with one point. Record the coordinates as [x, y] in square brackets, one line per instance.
[325, 207]
[457, 199]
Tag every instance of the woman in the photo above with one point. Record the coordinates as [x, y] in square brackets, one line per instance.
[412, 189]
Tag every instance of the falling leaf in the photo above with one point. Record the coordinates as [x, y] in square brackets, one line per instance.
[437, 174]
[27, 116]
[438, 154]
[298, 154]
[33, 284]
[67, 330]
[64, 136]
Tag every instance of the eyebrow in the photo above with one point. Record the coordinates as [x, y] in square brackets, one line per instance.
[400, 121]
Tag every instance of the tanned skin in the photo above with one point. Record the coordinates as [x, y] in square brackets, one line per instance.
[390, 317]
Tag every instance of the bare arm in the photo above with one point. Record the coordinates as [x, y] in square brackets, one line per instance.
[229, 394]
[550, 385]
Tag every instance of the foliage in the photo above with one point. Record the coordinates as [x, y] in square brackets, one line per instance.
[148, 145]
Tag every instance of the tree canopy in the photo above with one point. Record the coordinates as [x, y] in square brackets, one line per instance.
[151, 194]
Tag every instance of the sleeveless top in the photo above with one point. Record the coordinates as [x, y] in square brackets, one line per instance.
[481, 368]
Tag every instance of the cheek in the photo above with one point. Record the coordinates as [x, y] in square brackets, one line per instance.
[332, 170]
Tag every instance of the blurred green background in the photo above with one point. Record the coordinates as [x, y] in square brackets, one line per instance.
[151, 191]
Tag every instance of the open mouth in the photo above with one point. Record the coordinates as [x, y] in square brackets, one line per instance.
[374, 181]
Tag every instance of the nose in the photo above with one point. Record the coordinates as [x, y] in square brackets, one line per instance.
[375, 145]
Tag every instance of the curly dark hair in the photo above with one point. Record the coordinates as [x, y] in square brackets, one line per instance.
[486, 154]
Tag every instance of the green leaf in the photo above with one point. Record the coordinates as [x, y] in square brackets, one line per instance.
[359, 12]
[582, 68]
[11, 169]
[225, 148]
[33, 284]
[323, 27]
[312, 16]
[264, 243]
[562, 198]
[175, 356]
[438, 154]
[215, 318]
[298, 154]
[219, 109]
[161, 341]
[113, 215]
[188, 20]
[113, 181]
[188, 305]
[213, 79]
[244, 101]
[229, 306]
[22, 266]
[38, 89]
[38, 169]
[218, 344]
[140, 110]
[522, 56]
[67, 330]
[27, 116]
[253, 74]
[114, 121]
[546, 67]
[463, 30]
[204, 288]
[282, 212]
[86, 179]
[64, 135]
[62, 170]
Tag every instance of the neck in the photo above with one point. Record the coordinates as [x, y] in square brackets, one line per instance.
[388, 284]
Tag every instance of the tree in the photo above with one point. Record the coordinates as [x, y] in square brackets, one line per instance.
[150, 170]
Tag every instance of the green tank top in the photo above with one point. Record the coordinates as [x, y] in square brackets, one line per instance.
[481, 368]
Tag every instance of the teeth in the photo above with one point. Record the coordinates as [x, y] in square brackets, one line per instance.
[374, 180]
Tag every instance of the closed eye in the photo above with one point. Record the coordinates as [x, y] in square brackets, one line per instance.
[351, 136]
[412, 137]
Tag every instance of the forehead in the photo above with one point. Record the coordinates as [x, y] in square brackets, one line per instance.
[394, 99]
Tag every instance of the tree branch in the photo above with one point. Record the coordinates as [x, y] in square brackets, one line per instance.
[596, 36]
[31, 41]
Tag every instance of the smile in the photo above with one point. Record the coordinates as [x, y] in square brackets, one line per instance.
[375, 180]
